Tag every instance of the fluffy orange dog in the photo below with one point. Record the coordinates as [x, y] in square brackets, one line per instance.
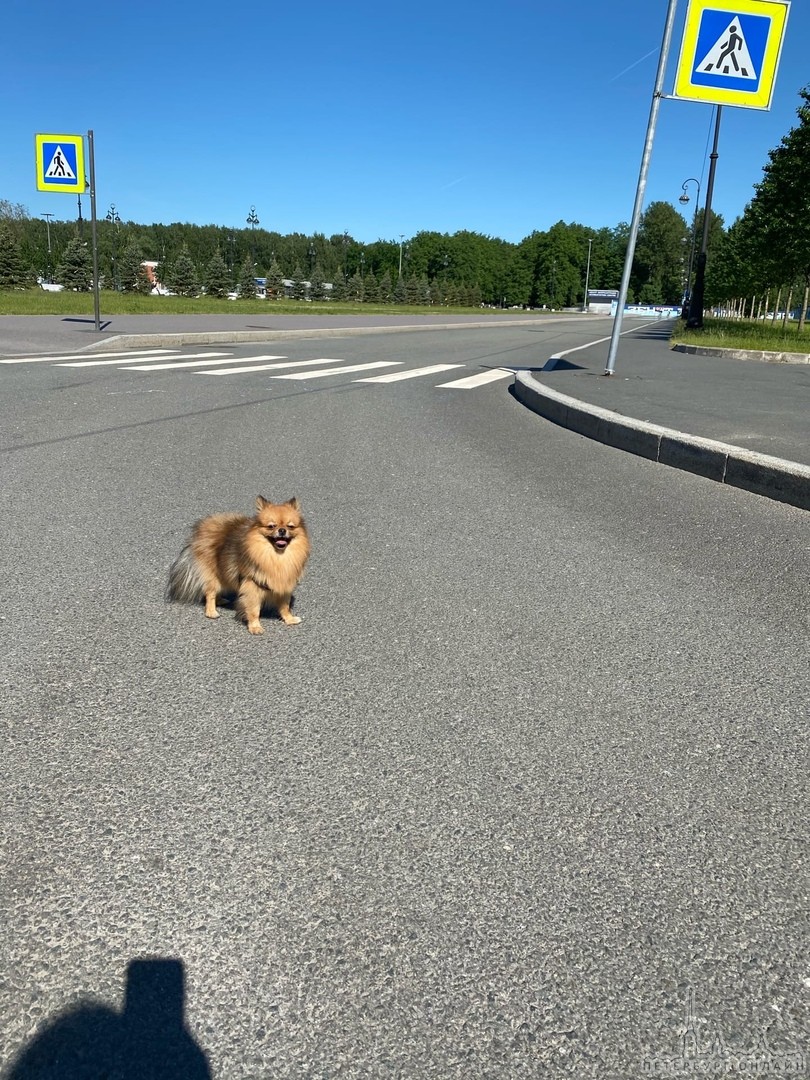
[261, 559]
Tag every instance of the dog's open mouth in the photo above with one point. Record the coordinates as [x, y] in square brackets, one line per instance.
[280, 542]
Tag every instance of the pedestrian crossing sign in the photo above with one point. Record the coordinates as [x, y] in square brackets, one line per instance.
[60, 163]
[730, 51]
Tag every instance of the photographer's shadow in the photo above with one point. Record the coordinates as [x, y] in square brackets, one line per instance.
[148, 1040]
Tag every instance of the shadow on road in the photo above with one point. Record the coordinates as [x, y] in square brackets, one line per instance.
[148, 1040]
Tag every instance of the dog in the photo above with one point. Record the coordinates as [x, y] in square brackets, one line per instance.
[260, 559]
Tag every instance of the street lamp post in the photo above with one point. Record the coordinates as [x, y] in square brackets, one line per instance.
[114, 219]
[252, 220]
[48, 227]
[696, 300]
[401, 238]
[588, 273]
[684, 198]
[311, 254]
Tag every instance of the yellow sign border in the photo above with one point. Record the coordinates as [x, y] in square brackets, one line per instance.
[776, 10]
[77, 188]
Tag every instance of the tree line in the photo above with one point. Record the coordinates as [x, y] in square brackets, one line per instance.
[765, 254]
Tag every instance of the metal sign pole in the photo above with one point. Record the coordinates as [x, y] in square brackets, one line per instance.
[92, 155]
[642, 184]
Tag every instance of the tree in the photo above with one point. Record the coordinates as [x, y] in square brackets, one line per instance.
[659, 266]
[132, 275]
[299, 288]
[275, 280]
[74, 272]
[247, 280]
[217, 279]
[317, 285]
[779, 214]
[14, 273]
[183, 279]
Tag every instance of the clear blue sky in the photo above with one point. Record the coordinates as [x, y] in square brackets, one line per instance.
[377, 118]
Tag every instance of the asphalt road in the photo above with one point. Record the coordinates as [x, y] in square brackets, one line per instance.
[523, 795]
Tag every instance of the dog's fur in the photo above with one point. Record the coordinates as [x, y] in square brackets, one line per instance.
[261, 559]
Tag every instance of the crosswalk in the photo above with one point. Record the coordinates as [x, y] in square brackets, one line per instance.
[225, 363]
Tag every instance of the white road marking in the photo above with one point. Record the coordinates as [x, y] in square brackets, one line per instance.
[184, 363]
[123, 360]
[323, 372]
[72, 356]
[413, 373]
[480, 379]
[258, 367]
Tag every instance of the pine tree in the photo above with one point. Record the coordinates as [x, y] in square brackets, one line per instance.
[183, 279]
[275, 280]
[371, 288]
[339, 286]
[217, 279]
[75, 272]
[132, 275]
[14, 274]
[247, 280]
[299, 289]
[400, 292]
[354, 288]
[384, 288]
[317, 291]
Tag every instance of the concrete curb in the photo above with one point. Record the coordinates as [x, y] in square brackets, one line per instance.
[775, 478]
[235, 337]
[745, 354]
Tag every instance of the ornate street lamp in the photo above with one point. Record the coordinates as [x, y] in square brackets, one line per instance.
[684, 198]
[113, 217]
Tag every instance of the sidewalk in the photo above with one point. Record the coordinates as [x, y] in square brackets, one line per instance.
[743, 422]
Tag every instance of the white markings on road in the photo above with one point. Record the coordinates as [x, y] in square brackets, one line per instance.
[480, 379]
[412, 373]
[323, 372]
[122, 360]
[184, 363]
[72, 356]
[260, 367]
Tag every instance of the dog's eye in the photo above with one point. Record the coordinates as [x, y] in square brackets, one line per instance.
[270, 525]
[291, 525]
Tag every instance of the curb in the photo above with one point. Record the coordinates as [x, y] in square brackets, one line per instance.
[775, 478]
[223, 337]
[745, 354]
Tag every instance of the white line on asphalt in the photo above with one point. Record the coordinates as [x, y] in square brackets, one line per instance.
[258, 367]
[480, 379]
[551, 363]
[124, 359]
[413, 373]
[199, 363]
[322, 373]
[72, 356]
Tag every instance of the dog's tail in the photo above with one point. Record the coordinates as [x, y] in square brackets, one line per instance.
[185, 580]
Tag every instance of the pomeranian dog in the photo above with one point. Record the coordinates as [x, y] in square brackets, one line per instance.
[260, 559]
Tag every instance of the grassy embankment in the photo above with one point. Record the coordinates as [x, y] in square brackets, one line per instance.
[40, 302]
[745, 334]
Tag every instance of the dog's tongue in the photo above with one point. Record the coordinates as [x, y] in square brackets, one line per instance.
[281, 542]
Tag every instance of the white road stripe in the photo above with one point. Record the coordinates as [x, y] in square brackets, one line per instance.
[199, 363]
[480, 379]
[122, 360]
[258, 367]
[72, 356]
[323, 372]
[413, 373]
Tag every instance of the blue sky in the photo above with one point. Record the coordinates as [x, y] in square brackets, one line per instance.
[379, 119]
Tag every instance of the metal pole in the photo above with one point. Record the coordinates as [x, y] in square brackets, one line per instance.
[48, 227]
[642, 184]
[696, 301]
[92, 157]
[587, 275]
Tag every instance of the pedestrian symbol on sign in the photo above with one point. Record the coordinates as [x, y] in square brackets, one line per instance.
[60, 166]
[730, 51]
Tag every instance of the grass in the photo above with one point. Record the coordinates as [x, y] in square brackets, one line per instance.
[41, 302]
[745, 334]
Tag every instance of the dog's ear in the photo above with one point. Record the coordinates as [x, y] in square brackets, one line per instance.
[293, 502]
[261, 503]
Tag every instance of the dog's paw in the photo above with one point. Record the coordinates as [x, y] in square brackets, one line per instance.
[255, 629]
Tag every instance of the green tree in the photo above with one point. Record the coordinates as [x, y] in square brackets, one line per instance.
[132, 275]
[184, 280]
[659, 266]
[317, 285]
[299, 288]
[14, 273]
[779, 214]
[217, 279]
[75, 272]
[274, 281]
[247, 280]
